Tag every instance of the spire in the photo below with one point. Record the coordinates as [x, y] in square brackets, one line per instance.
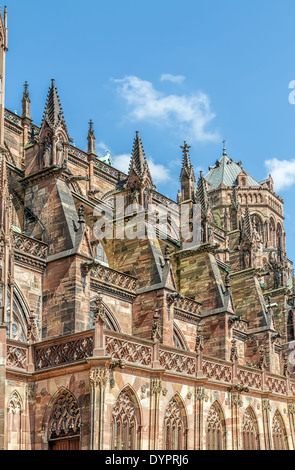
[53, 113]
[202, 194]
[26, 103]
[91, 139]
[187, 168]
[139, 164]
[187, 176]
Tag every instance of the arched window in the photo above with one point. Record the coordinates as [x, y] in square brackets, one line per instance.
[290, 326]
[111, 323]
[64, 423]
[272, 233]
[175, 425]
[250, 431]
[279, 434]
[258, 226]
[17, 323]
[178, 340]
[216, 436]
[126, 423]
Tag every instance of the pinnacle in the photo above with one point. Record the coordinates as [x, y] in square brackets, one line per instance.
[138, 161]
[53, 113]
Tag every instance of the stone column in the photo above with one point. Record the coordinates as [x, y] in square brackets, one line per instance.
[155, 391]
[98, 382]
[30, 411]
[200, 397]
[266, 408]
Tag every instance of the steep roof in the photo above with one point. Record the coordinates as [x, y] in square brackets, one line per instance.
[226, 172]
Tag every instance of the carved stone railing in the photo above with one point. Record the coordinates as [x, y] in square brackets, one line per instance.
[29, 246]
[77, 153]
[121, 347]
[249, 377]
[217, 370]
[16, 355]
[64, 351]
[188, 306]
[12, 117]
[110, 276]
[172, 360]
[276, 384]
[108, 169]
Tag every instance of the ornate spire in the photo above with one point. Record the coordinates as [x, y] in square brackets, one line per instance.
[26, 103]
[138, 163]
[53, 114]
[91, 139]
[187, 168]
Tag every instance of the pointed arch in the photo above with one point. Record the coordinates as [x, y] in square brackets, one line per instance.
[216, 429]
[178, 338]
[65, 418]
[279, 432]
[111, 322]
[250, 430]
[14, 421]
[15, 403]
[175, 424]
[126, 421]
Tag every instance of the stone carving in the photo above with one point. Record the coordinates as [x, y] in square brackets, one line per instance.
[156, 329]
[131, 351]
[156, 386]
[177, 362]
[99, 311]
[217, 371]
[65, 417]
[124, 422]
[33, 331]
[63, 352]
[99, 377]
[175, 426]
[16, 357]
[201, 394]
[215, 428]
[15, 403]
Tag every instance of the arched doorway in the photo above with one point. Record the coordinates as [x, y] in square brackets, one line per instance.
[64, 423]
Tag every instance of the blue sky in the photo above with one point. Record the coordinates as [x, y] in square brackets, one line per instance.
[192, 70]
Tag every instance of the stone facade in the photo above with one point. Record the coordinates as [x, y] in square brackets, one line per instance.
[137, 343]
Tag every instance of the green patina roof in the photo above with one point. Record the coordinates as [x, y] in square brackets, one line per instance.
[226, 172]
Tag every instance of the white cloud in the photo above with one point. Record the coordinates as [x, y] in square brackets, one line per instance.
[122, 162]
[101, 148]
[160, 173]
[188, 116]
[168, 77]
[282, 171]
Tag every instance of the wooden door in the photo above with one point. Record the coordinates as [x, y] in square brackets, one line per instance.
[66, 444]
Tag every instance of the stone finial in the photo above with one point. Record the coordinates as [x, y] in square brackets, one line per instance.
[26, 103]
[91, 139]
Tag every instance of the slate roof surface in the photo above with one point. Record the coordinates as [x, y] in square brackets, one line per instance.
[226, 172]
